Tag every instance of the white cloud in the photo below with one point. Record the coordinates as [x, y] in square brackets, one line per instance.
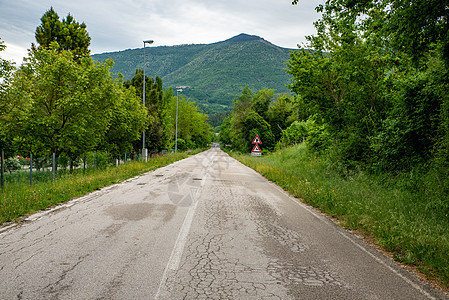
[116, 25]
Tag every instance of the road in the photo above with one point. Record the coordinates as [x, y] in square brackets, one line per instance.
[206, 227]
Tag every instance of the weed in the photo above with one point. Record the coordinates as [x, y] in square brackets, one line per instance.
[18, 199]
[406, 213]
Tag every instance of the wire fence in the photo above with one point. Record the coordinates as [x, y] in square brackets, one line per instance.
[29, 170]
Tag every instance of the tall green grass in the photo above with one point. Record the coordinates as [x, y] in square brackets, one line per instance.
[18, 199]
[407, 214]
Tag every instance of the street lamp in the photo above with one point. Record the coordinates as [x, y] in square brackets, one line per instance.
[144, 149]
[178, 89]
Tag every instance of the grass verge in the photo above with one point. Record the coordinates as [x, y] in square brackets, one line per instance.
[19, 199]
[400, 213]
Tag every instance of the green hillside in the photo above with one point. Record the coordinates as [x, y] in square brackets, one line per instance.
[215, 72]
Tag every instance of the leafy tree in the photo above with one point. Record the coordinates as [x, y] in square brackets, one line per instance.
[127, 122]
[57, 105]
[12, 164]
[69, 34]
[294, 134]
[378, 79]
[411, 26]
[193, 127]
[155, 133]
[226, 131]
[256, 125]
[342, 80]
[280, 115]
[244, 123]
[261, 100]
[6, 70]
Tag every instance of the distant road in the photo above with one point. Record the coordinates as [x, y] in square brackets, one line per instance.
[206, 227]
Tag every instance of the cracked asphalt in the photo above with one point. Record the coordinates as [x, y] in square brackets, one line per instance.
[206, 227]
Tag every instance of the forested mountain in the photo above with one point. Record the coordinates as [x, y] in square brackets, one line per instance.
[216, 73]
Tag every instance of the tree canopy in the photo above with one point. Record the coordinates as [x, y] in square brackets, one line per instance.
[58, 106]
[377, 79]
[62, 101]
[68, 33]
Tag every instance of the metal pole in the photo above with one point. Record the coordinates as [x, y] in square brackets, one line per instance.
[143, 134]
[3, 169]
[31, 169]
[176, 134]
[144, 150]
[54, 166]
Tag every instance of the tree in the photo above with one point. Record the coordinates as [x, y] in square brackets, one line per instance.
[127, 122]
[156, 137]
[342, 79]
[295, 133]
[193, 127]
[244, 123]
[377, 80]
[58, 105]
[226, 131]
[69, 34]
[256, 125]
[6, 71]
[279, 115]
[261, 100]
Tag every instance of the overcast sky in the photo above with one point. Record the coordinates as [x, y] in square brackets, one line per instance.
[115, 25]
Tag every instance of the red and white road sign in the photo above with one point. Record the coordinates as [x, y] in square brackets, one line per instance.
[257, 140]
[256, 149]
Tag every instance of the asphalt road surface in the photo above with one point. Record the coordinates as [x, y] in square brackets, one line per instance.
[206, 227]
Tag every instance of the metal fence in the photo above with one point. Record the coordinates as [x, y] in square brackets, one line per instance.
[29, 169]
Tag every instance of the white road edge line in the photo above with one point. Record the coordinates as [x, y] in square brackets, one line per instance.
[181, 240]
[298, 202]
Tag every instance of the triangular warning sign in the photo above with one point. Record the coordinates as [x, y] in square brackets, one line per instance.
[257, 140]
[256, 149]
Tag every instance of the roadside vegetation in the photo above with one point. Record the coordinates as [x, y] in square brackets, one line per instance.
[18, 199]
[403, 213]
[61, 101]
[365, 136]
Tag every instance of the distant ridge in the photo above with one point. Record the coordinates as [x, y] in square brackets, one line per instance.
[243, 37]
[215, 72]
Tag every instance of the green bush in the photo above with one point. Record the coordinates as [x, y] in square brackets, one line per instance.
[12, 164]
[407, 214]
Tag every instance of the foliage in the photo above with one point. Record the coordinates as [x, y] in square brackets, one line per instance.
[377, 81]
[262, 113]
[296, 133]
[6, 70]
[58, 106]
[280, 114]
[69, 34]
[18, 199]
[156, 137]
[405, 214]
[61, 101]
[12, 164]
[193, 129]
[216, 72]
[126, 124]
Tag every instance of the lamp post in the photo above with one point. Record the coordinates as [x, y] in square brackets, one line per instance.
[178, 89]
[144, 149]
